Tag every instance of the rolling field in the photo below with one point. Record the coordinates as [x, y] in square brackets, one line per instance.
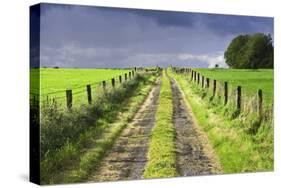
[54, 82]
[250, 79]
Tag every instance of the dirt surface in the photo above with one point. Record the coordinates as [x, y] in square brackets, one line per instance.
[194, 154]
[127, 158]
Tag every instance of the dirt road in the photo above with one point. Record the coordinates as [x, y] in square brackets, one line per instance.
[127, 158]
[194, 154]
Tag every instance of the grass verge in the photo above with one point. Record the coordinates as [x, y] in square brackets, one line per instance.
[238, 148]
[95, 127]
[161, 153]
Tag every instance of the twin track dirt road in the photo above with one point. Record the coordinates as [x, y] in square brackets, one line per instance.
[126, 160]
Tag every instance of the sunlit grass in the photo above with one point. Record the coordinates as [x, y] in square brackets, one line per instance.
[161, 154]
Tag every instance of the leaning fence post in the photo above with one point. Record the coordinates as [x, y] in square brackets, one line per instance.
[103, 85]
[69, 98]
[125, 77]
[238, 98]
[202, 81]
[120, 79]
[214, 87]
[89, 94]
[113, 82]
[208, 82]
[260, 99]
[225, 93]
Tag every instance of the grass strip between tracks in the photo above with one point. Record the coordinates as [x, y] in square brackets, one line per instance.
[161, 154]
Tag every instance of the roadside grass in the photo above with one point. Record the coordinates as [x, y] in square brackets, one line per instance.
[74, 142]
[243, 142]
[161, 153]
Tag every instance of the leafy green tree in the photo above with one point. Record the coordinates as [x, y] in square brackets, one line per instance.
[250, 51]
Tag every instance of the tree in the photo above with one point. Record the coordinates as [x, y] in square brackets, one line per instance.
[250, 51]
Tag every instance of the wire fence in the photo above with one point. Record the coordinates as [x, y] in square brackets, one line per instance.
[227, 93]
[81, 94]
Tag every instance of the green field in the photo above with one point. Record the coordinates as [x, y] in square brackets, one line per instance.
[250, 79]
[54, 82]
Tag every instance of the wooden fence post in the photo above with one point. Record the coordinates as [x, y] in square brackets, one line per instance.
[208, 82]
[135, 69]
[133, 73]
[214, 87]
[198, 78]
[69, 99]
[203, 81]
[89, 94]
[191, 75]
[225, 93]
[103, 85]
[125, 77]
[260, 99]
[120, 79]
[238, 98]
[195, 76]
[113, 82]
[129, 75]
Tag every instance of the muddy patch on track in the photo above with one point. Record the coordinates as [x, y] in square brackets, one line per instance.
[127, 158]
[194, 154]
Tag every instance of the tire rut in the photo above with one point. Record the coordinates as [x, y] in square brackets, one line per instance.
[127, 158]
[194, 155]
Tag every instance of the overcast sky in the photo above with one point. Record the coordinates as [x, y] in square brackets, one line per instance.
[87, 36]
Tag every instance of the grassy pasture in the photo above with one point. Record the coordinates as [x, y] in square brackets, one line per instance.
[250, 79]
[54, 82]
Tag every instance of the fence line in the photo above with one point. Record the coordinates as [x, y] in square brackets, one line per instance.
[69, 93]
[221, 89]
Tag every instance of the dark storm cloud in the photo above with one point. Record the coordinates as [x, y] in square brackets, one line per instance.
[86, 36]
[229, 24]
[220, 24]
[176, 19]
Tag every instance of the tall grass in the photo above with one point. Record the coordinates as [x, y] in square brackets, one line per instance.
[243, 140]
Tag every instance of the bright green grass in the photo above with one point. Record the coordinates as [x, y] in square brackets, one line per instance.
[58, 80]
[250, 79]
[161, 153]
[237, 150]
